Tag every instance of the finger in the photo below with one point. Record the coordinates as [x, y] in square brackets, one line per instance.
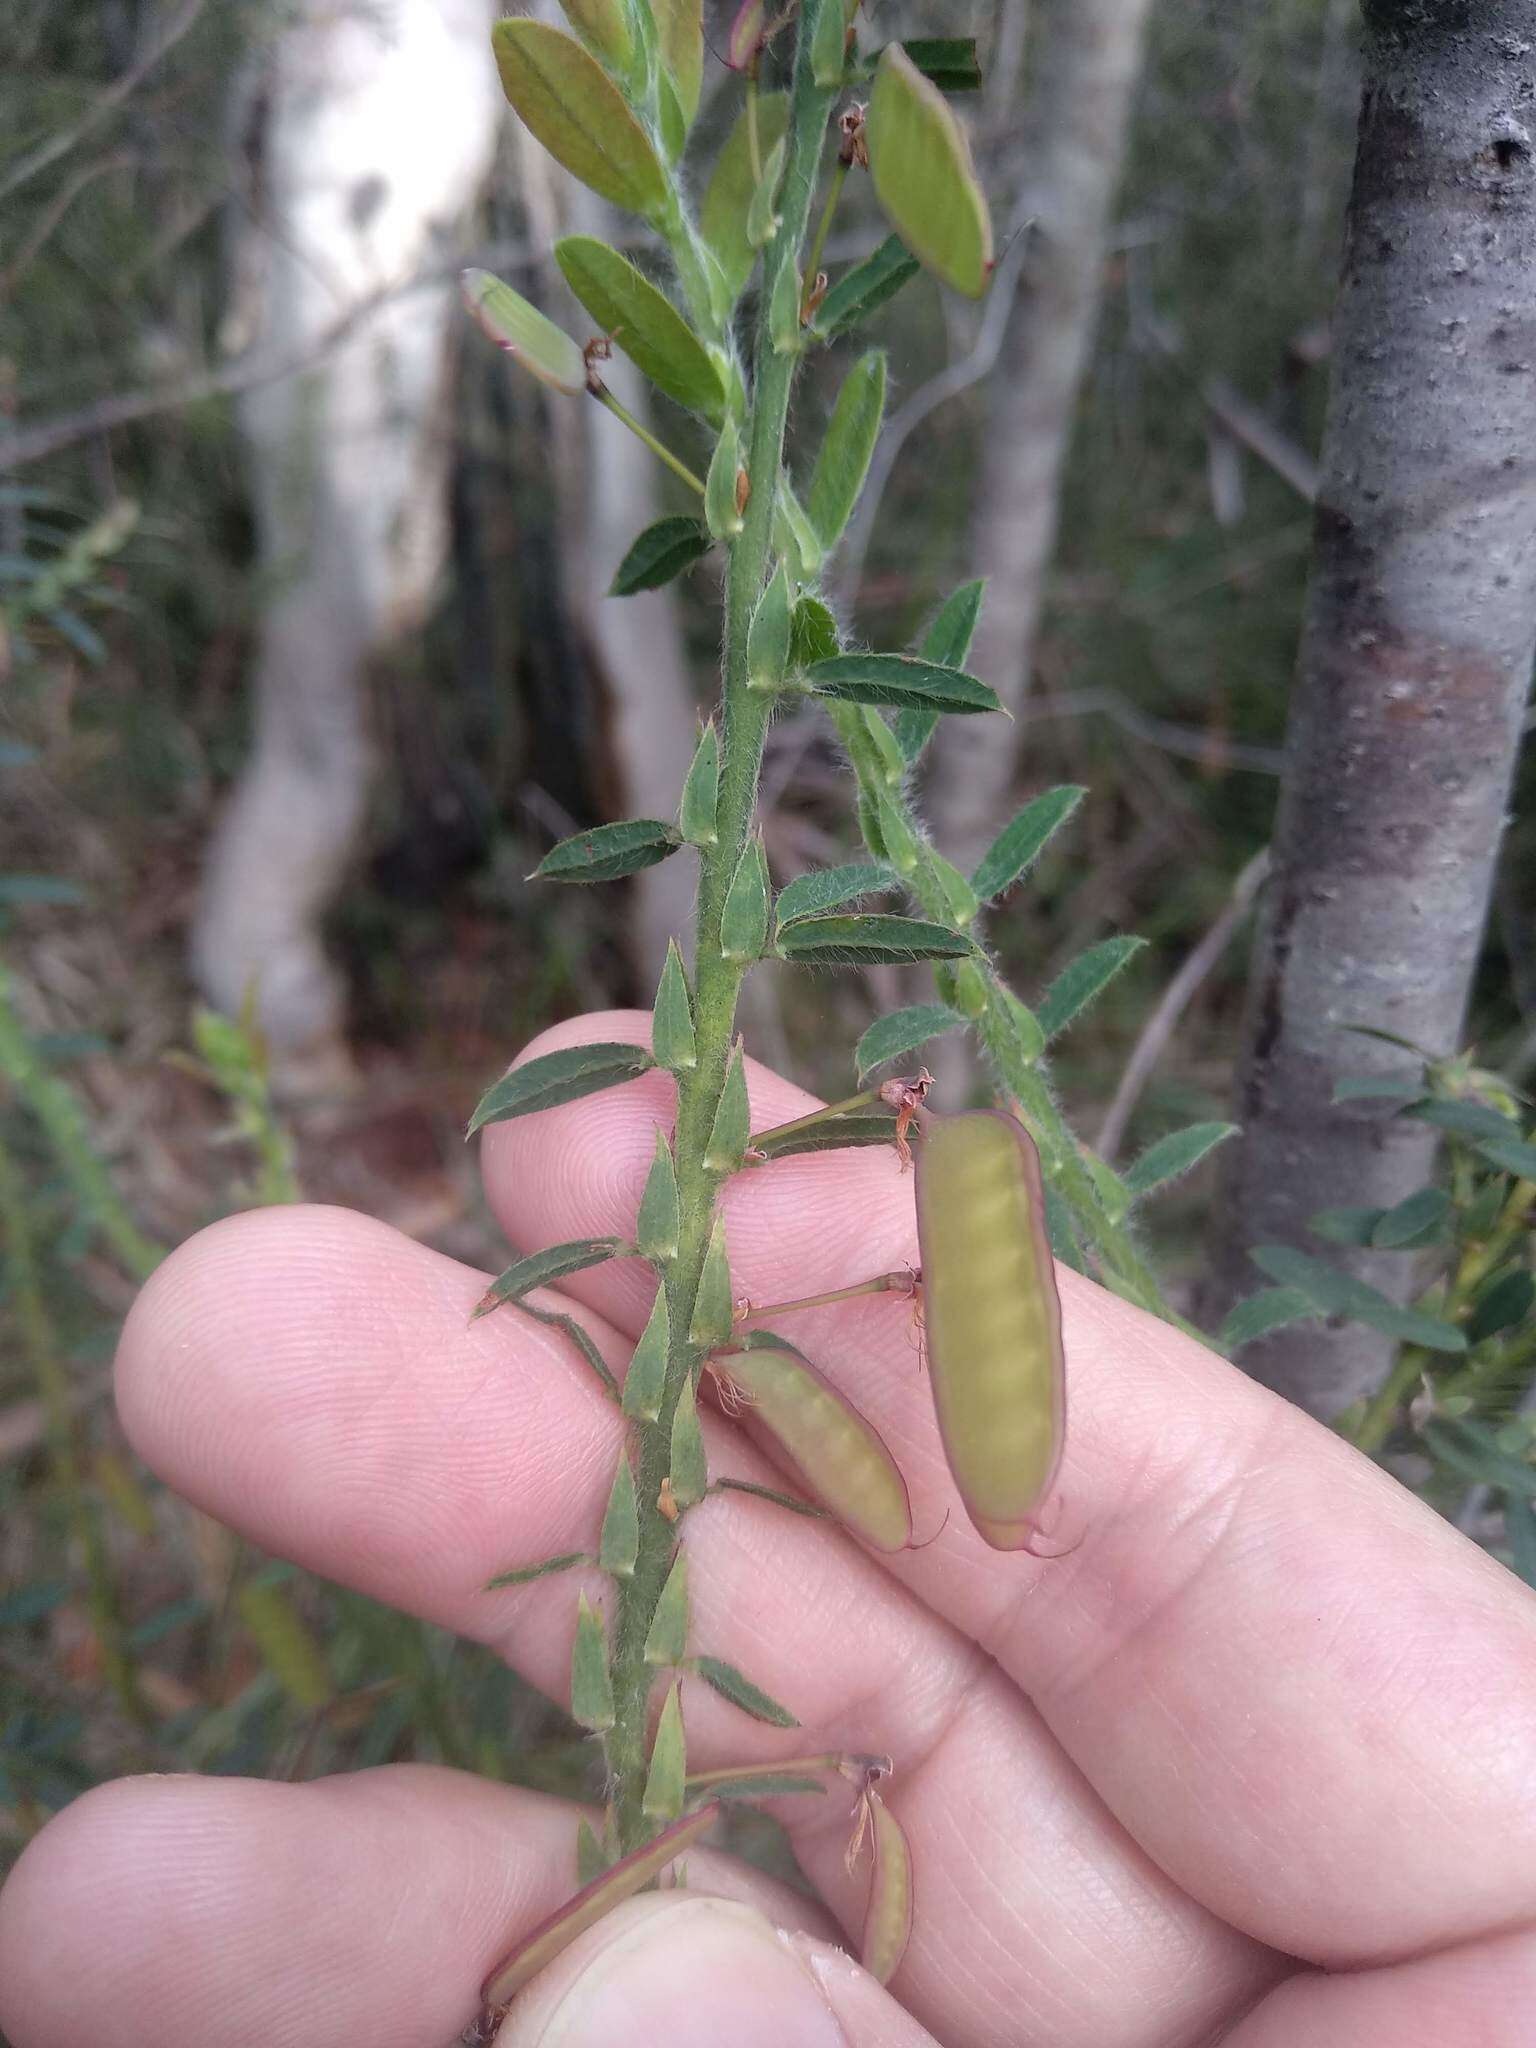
[369, 1908]
[312, 1378]
[1304, 1693]
[1480, 1996]
[693, 1972]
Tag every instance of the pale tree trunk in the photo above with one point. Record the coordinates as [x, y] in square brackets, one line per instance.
[378, 127]
[1086, 62]
[1416, 653]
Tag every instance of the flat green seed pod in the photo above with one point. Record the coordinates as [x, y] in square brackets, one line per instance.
[842, 1457]
[992, 1317]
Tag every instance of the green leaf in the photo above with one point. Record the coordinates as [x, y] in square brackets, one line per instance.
[667, 1640]
[527, 1572]
[812, 633]
[741, 1692]
[824, 888]
[672, 1034]
[591, 1685]
[1502, 1304]
[1469, 1120]
[1514, 1155]
[843, 463]
[948, 642]
[603, 26]
[949, 62]
[728, 196]
[732, 1126]
[903, 1032]
[543, 1269]
[793, 534]
[1270, 1309]
[904, 681]
[762, 221]
[542, 348]
[666, 1780]
[557, 1077]
[606, 852]
[720, 514]
[1471, 1448]
[784, 329]
[665, 549]
[1081, 980]
[829, 47]
[875, 1125]
[565, 98]
[959, 896]
[646, 1378]
[768, 635]
[1348, 1225]
[921, 166]
[714, 1309]
[1174, 1155]
[701, 792]
[643, 322]
[1019, 845]
[863, 941]
[1338, 1293]
[744, 914]
[619, 1544]
[659, 1223]
[688, 1467]
[1417, 1220]
[865, 289]
[1520, 1535]
[680, 36]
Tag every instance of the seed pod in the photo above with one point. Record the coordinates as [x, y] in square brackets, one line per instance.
[992, 1317]
[841, 1457]
[888, 1916]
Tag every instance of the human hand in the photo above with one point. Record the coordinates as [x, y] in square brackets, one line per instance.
[1255, 1763]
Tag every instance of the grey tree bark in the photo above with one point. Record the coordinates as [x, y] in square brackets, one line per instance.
[1416, 652]
[1083, 74]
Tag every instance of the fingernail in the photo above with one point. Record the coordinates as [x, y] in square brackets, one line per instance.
[690, 1971]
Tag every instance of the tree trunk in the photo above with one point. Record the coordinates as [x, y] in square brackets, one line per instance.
[1076, 115]
[377, 133]
[1415, 658]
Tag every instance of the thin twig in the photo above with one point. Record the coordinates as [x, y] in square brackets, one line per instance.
[1176, 999]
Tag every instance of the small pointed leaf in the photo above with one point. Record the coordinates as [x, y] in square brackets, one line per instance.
[714, 1308]
[903, 1033]
[701, 792]
[949, 62]
[543, 1269]
[522, 1575]
[646, 1378]
[1020, 843]
[1345, 1225]
[659, 1223]
[741, 1692]
[1175, 1155]
[666, 1780]
[1417, 1220]
[667, 1641]
[680, 36]
[607, 852]
[812, 633]
[591, 1685]
[1474, 1121]
[1471, 1448]
[603, 26]
[522, 330]
[672, 1034]
[689, 1470]
[823, 889]
[762, 221]
[863, 290]
[843, 463]
[1081, 980]
[920, 163]
[732, 1126]
[768, 635]
[794, 536]
[720, 513]
[744, 914]
[643, 322]
[664, 550]
[556, 1077]
[569, 102]
[948, 642]
[728, 196]
[1338, 1293]
[858, 941]
[1501, 1305]
[1511, 1155]
[620, 1541]
[1272, 1308]
[901, 680]
[829, 47]
[784, 309]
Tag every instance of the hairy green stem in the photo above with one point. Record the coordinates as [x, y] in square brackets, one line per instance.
[745, 715]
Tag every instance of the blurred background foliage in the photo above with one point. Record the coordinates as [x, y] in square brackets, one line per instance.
[133, 1631]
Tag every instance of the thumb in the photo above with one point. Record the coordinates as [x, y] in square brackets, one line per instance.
[693, 1971]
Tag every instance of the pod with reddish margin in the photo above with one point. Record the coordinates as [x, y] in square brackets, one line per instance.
[840, 1455]
[992, 1318]
[888, 1915]
[554, 1935]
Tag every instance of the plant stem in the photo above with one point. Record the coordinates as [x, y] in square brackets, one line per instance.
[745, 715]
[659, 449]
[863, 1100]
[904, 1282]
